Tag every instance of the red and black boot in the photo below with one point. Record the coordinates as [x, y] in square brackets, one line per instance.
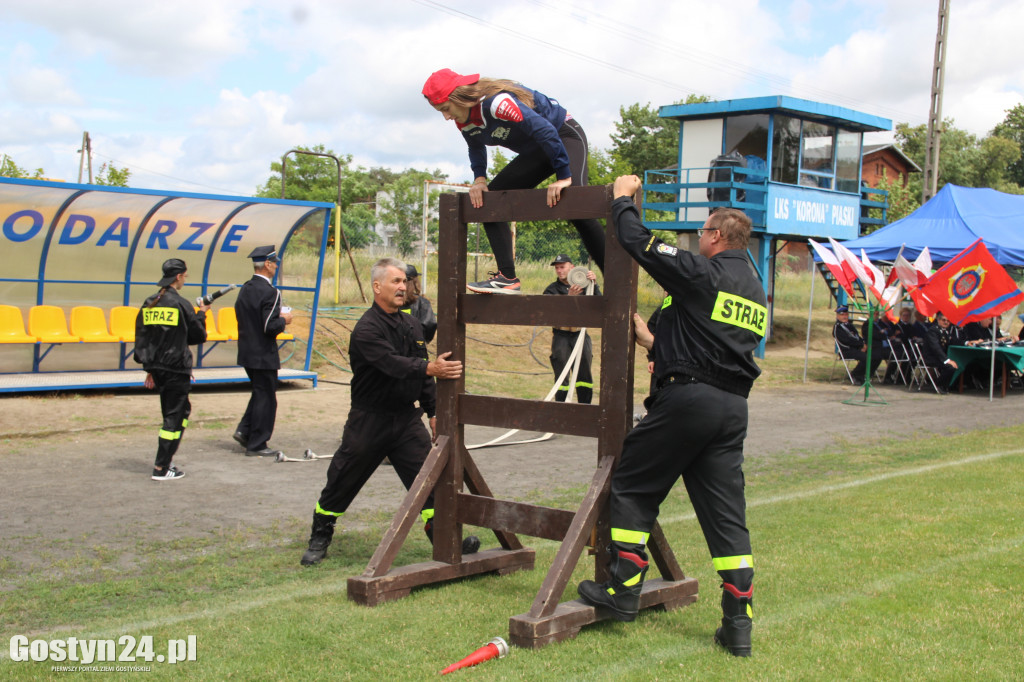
[620, 596]
[737, 620]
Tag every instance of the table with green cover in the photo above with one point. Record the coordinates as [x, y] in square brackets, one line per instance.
[1006, 357]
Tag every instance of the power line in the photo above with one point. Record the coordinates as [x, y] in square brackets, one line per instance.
[552, 46]
[164, 175]
[617, 27]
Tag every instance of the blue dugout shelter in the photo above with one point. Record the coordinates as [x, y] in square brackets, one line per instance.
[67, 246]
[794, 166]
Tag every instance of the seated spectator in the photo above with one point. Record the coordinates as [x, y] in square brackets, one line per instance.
[981, 331]
[934, 350]
[852, 344]
[905, 324]
[879, 337]
[919, 329]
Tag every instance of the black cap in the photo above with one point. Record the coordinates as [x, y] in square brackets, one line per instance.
[264, 253]
[561, 258]
[843, 309]
[172, 268]
[410, 272]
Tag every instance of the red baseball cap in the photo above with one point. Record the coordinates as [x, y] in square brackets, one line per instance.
[441, 83]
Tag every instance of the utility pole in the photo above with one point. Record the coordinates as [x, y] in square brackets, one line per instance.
[931, 159]
[85, 153]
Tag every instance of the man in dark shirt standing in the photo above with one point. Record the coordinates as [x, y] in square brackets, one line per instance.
[260, 320]
[390, 373]
[697, 421]
[563, 339]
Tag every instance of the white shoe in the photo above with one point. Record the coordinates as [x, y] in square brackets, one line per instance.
[171, 474]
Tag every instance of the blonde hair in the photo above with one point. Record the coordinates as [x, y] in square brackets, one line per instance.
[469, 95]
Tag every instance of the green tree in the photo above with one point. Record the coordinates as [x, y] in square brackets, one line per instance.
[315, 178]
[644, 141]
[358, 221]
[964, 159]
[9, 169]
[1012, 128]
[401, 206]
[902, 200]
[112, 176]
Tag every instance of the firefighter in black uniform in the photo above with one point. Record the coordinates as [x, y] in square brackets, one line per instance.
[853, 345]
[390, 373]
[164, 329]
[260, 320]
[697, 421]
[563, 339]
[418, 305]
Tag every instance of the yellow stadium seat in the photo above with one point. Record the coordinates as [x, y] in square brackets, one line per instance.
[211, 328]
[88, 322]
[48, 323]
[227, 323]
[122, 322]
[12, 326]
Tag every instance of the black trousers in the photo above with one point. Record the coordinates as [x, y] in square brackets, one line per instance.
[562, 344]
[695, 431]
[175, 407]
[368, 438]
[528, 170]
[257, 423]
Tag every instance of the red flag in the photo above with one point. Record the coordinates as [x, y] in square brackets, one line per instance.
[853, 267]
[877, 280]
[833, 265]
[970, 287]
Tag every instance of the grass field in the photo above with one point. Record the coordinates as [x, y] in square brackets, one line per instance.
[899, 561]
[895, 561]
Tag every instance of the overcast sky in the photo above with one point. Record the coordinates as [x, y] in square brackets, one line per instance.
[202, 95]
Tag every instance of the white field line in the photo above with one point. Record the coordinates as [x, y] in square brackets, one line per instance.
[319, 590]
[697, 642]
[825, 489]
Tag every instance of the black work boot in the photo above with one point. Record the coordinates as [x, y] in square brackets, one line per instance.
[470, 543]
[620, 595]
[319, 539]
[737, 620]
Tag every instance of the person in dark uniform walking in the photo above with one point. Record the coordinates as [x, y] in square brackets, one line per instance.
[391, 372]
[546, 138]
[697, 421]
[417, 305]
[563, 339]
[164, 329]
[260, 320]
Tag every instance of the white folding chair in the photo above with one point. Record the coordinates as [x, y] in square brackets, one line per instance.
[921, 369]
[899, 357]
[839, 357]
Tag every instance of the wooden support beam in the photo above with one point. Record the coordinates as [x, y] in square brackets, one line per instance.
[571, 419]
[542, 311]
[515, 517]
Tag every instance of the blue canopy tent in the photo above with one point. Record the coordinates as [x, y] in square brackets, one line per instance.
[950, 222]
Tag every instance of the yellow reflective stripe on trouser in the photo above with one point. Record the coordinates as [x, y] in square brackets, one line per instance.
[169, 435]
[426, 515]
[184, 423]
[321, 510]
[584, 384]
[731, 563]
[629, 537]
